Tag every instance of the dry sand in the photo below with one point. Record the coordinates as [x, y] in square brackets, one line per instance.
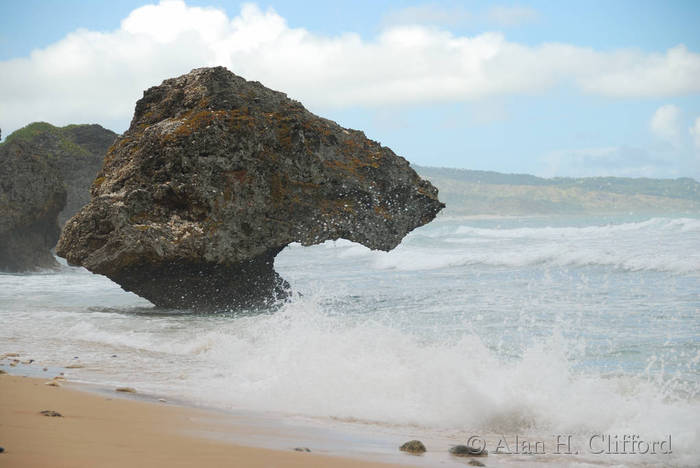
[102, 431]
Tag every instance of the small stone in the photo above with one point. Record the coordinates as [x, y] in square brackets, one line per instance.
[467, 451]
[162, 400]
[126, 390]
[302, 449]
[75, 366]
[475, 463]
[51, 413]
[53, 383]
[413, 446]
[45, 369]
[114, 355]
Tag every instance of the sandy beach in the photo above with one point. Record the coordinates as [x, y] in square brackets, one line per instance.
[96, 430]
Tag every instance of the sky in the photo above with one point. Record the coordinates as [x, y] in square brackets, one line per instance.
[587, 88]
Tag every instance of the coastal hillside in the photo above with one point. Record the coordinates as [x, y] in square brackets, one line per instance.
[468, 192]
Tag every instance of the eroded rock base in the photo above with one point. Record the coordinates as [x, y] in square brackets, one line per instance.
[207, 286]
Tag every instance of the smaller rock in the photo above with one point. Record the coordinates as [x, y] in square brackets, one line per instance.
[45, 369]
[467, 451]
[75, 366]
[413, 446]
[475, 463]
[51, 413]
[53, 383]
[302, 449]
[162, 400]
[126, 390]
[114, 355]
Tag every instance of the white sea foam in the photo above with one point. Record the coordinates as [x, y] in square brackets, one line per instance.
[300, 360]
[654, 244]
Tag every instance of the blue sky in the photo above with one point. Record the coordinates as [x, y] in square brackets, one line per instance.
[550, 88]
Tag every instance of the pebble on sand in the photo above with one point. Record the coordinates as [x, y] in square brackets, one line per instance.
[51, 413]
[302, 449]
[413, 446]
[475, 463]
[126, 389]
[467, 451]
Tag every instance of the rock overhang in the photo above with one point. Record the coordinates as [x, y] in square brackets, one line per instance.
[219, 173]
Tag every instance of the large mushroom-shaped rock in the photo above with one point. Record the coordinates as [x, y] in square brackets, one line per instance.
[45, 174]
[31, 196]
[216, 175]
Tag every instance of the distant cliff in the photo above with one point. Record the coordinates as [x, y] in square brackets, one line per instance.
[75, 152]
[467, 192]
[45, 176]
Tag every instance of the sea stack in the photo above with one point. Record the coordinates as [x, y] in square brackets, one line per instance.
[45, 178]
[216, 175]
[31, 196]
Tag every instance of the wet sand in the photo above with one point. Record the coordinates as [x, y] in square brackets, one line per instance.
[98, 430]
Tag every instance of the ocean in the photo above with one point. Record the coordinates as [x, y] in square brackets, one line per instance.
[536, 327]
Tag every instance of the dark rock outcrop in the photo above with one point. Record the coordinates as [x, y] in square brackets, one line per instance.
[45, 174]
[216, 175]
[31, 196]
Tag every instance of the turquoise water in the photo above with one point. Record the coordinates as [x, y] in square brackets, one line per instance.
[526, 326]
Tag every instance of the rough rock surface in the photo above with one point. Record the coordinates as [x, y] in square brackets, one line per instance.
[31, 196]
[44, 169]
[413, 446]
[216, 175]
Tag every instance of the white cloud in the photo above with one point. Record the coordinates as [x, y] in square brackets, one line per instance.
[512, 15]
[665, 124]
[97, 76]
[695, 133]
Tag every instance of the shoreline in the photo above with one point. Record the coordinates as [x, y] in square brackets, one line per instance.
[97, 429]
[102, 426]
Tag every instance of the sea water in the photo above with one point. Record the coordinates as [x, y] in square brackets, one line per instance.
[529, 327]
